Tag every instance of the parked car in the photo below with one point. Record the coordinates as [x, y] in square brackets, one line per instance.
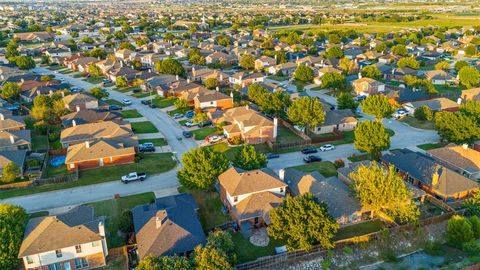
[400, 113]
[190, 114]
[272, 155]
[136, 90]
[76, 89]
[360, 98]
[214, 138]
[145, 102]
[309, 150]
[327, 147]
[115, 108]
[177, 115]
[133, 176]
[205, 123]
[187, 134]
[312, 158]
[189, 123]
[126, 101]
[146, 147]
[107, 81]
[153, 106]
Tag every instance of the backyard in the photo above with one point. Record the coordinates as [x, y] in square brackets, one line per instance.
[150, 163]
[326, 168]
[285, 135]
[112, 209]
[143, 127]
[359, 229]
[94, 79]
[247, 252]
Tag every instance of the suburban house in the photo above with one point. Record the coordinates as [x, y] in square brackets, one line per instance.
[250, 195]
[249, 125]
[212, 100]
[342, 204]
[33, 37]
[471, 94]
[245, 79]
[11, 122]
[264, 62]
[98, 153]
[425, 173]
[80, 101]
[15, 140]
[440, 77]
[220, 58]
[74, 240]
[201, 75]
[367, 86]
[286, 69]
[89, 116]
[127, 72]
[436, 105]
[168, 227]
[118, 131]
[16, 156]
[459, 158]
[337, 120]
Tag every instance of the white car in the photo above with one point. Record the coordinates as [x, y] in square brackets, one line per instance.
[126, 101]
[399, 114]
[214, 139]
[327, 147]
[189, 123]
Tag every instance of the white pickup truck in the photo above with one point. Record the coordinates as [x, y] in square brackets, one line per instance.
[133, 176]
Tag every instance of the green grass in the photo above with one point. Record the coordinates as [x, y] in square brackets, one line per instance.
[414, 122]
[77, 75]
[126, 89]
[155, 141]
[390, 132]
[181, 110]
[39, 142]
[38, 214]
[66, 71]
[430, 146]
[55, 171]
[114, 102]
[140, 95]
[223, 147]
[360, 157]
[326, 168]
[112, 210]
[131, 114]
[285, 135]
[209, 209]
[247, 252]
[55, 67]
[162, 102]
[202, 133]
[144, 127]
[94, 79]
[150, 164]
[359, 229]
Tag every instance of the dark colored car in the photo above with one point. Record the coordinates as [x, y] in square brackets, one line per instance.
[187, 134]
[312, 158]
[272, 155]
[190, 114]
[153, 106]
[204, 124]
[145, 102]
[115, 108]
[309, 151]
[144, 149]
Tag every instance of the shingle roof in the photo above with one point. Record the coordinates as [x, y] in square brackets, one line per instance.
[97, 150]
[15, 156]
[11, 122]
[180, 231]
[336, 117]
[458, 156]
[106, 130]
[257, 205]
[238, 182]
[78, 99]
[20, 137]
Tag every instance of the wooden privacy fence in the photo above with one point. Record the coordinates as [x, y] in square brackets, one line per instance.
[56, 179]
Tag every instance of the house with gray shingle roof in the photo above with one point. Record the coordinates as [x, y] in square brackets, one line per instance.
[17, 156]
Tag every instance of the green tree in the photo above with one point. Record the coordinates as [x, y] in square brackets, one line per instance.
[475, 221]
[13, 220]
[211, 83]
[471, 50]
[97, 53]
[180, 103]
[459, 231]
[302, 222]
[222, 241]
[306, 112]
[10, 172]
[197, 60]
[247, 61]
[442, 65]
[94, 70]
[200, 117]
[347, 65]
[11, 90]
[399, 50]
[170, 66]
[460, 64]
[164, 263]
[209, 258]
[24, 62]
[126, 45]
[371, 137]
[471, 108]
[120, 35]
[334, 80]
[247, 158]
[276, 103]
[423, 113]
[371, 71]
[303, 73]
[125, 223]
[384, 191]
[346, 101]
[469, 76]
[11, 51]
[256, 93]
[99, 93]
[377, 106]
[472, 205]
[456, 127]
[408, 62]
[121, 81]
[334, 52]
[223, 40]
[381, 47]
[201, 168]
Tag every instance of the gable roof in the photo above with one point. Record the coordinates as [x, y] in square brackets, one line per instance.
[238, 182]
[15, 156]
[11, 122]
[167, 227]
[49, 233]
[96, 150]
[336, 117]
[106, 130]
[458, 156]
[78, 99]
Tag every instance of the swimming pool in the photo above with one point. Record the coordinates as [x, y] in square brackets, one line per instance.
[57, 161]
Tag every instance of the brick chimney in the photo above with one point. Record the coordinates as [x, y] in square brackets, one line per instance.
[74, 123]
[161, 218]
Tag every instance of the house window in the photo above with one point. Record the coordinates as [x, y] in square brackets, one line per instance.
[58, 252]
[256, 220]
[56, 266]
[78, 249]
[84, 262]
[235, 199]
[281, 190]
[95, 244]
[78, 263]
[29, 260]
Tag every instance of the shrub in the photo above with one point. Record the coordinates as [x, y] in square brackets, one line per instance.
[423, 113]
[471, 247]
[235, 140]
[339, 163]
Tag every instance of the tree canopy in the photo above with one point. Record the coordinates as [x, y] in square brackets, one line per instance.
[201, 168]
[247, 61]
[408, 62]
[10, 172]
[334, 80]
[346, 101]
[164, 263]
[459, 231]
[377, 106]
[469, 76]
[302, 222]
[371, 71]
[211, 83]
[371, 137]
[170, 66]
[121, 81]
[24, 62]
[457, 127]
[247, 158]
[11, 90]
[306, 112]
[384, 191]
[99, 93]
[209, 258]
[334, 52]
[303, 73]
[13, 220]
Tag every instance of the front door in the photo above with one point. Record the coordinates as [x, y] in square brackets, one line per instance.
[100, 162]
[66, 266]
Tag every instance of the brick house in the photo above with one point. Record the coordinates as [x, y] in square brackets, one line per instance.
[80, 101]
[118, 131]
[212, 100]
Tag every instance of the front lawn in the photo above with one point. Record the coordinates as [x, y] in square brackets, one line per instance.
[202, 133]
[359, 229]
[126, 89]
[277, 78]
[326, 168]
[94, 79]
[414, 122]
[114, 102]
[155, 141]
[144, 127]
[140, 95]
[162, 102]
[181, 111]
[360, 157]
[300, 85]
[112, 210]
[247, 252]
[131, 114]
[430, 146]
[223, 147]
[151, 164]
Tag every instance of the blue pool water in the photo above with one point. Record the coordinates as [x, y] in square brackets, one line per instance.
[57, 161]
